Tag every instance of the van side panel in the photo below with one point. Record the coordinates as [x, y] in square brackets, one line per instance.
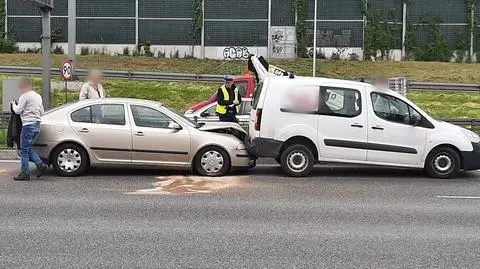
[280, 125]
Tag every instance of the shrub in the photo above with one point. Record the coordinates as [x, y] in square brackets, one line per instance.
[58, 50]
[84, 51]
[8, 44]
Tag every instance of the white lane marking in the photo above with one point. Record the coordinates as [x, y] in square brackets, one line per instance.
[458, 197]
[9, 161]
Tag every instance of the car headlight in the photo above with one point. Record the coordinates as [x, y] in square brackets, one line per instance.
[241, 146]
[473, 137]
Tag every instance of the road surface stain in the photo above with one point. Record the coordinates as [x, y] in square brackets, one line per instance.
[191, 185]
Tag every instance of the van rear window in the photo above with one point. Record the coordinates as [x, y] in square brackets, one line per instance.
[256, 95]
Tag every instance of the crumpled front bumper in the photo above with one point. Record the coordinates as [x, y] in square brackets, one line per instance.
[471, 159]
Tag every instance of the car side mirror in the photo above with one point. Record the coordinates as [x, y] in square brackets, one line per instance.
[415, 120]
[204, 114]
[174, 126]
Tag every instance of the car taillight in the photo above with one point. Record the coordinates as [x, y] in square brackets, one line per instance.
[258, 121]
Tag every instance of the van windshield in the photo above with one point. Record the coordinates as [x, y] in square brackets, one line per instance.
[256, 95]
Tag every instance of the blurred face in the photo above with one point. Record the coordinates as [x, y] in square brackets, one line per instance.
[25, 86]
[382, 83]
[95, 78]
[228, 84]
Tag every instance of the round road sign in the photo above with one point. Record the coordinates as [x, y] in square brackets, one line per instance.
[67, 70]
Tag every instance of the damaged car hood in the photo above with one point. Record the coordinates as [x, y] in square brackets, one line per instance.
[225, 128]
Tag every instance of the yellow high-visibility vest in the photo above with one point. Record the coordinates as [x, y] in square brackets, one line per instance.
[221, 109]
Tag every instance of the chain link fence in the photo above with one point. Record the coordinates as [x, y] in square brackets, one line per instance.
[237, 26]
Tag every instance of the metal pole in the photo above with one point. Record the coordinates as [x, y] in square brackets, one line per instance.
[46, 45]
[72, 33]
[472, 29]
[202, 50]
[6, 18]
[269, 53]
[136, 23]
[315, 39]
[404, 30]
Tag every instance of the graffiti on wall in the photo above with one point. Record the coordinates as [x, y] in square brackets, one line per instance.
[236, 53]
[283, 41]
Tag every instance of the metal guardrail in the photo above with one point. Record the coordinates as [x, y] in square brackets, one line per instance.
[158, 76]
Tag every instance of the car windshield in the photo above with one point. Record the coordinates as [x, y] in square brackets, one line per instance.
[187, 120]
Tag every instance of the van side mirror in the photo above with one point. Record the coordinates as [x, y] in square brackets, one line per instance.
[174, 126]
[415, 120]
[204, 114]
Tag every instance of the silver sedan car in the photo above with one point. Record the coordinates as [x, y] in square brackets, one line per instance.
[139, 133]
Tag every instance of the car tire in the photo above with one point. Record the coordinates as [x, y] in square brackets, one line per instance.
[297, 160]
[442, 163]
[212, 161]
[70, 160]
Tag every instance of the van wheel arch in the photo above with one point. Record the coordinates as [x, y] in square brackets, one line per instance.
[443, 162]
[302, 141]
[451, 147]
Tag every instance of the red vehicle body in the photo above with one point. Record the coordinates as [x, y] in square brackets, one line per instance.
[245, 85]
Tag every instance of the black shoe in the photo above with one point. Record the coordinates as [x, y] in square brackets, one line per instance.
[22, 177]
[41, 169]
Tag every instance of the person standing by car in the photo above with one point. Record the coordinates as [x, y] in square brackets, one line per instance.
[93, 89]
[30, 108]
[228, 101]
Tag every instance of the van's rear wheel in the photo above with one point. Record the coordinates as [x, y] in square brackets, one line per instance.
[442, 163]
[297, 160]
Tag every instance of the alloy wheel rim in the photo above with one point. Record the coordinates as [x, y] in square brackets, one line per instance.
[69, 160]
[212, 161]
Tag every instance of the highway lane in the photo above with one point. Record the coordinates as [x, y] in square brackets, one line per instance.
[341, 217]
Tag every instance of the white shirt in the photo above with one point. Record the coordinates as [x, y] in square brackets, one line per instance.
[88, 91]
[29, 107]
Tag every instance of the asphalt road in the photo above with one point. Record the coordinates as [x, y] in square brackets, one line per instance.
[341, 217]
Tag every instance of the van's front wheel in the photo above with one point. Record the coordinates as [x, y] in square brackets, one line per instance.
[442, 163]
[297, 161]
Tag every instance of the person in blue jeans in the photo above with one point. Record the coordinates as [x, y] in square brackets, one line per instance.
[30, 109]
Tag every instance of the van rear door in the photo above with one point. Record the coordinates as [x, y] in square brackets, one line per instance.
[255, 113]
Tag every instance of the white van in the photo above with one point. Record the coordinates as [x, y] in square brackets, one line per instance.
[300, 121]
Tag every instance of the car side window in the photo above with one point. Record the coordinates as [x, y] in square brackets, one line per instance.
[82, 115]
[149, 117]
[242, 88]
[340, 102]
[392, 109]
[210, 112]
[112, 114]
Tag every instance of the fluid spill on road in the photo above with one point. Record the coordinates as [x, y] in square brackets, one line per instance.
[192, 184]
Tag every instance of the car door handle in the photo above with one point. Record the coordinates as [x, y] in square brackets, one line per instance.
[356, 125]
[139, 134]
[378, 128]
[84, 130]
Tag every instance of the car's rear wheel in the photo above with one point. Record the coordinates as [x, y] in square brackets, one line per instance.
[212, 161]
[297, 160]
[443, 163]
[70, 160]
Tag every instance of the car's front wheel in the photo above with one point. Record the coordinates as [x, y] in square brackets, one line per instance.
[442, 163]
[70, 160]
[297, 160]
[212, 161]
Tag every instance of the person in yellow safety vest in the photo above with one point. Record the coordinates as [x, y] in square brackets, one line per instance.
[228, 101]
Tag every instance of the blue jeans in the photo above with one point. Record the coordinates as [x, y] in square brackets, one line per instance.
[27, 136]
